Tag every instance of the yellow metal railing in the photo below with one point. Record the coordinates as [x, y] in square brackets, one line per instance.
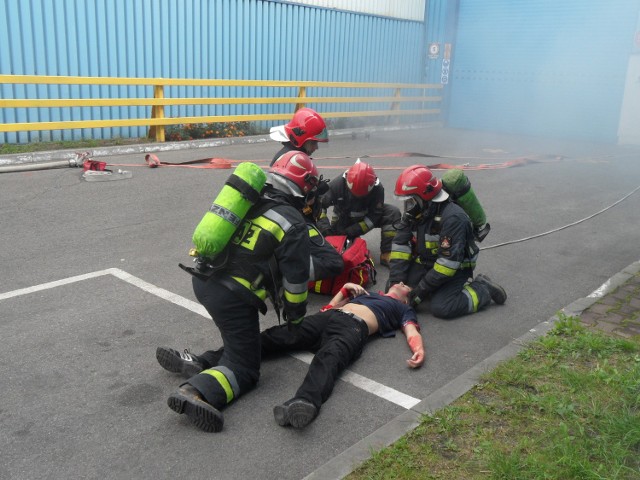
[158, 121]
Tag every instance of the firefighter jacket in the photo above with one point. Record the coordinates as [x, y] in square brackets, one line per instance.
[444, 244]
[352, 216]
[269, 254]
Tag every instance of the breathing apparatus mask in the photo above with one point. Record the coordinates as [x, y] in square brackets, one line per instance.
[413, 209]
[311, 201]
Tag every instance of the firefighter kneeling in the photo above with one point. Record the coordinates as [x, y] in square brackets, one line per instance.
[269, 253]
[438, 261]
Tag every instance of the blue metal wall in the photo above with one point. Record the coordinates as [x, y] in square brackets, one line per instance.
[542, 67]
[224, 39]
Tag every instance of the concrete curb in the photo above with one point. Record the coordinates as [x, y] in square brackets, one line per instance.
[56, 155]
[347, 461]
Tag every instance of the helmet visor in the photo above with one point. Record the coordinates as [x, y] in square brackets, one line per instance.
[323, 136]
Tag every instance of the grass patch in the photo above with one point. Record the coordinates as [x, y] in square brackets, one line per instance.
[566, 407]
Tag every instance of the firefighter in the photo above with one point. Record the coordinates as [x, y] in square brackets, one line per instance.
[357, 198]
[435, 252]
[301, 134]
[269, 253]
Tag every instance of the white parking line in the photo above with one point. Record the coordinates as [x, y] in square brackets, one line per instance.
[371, 386]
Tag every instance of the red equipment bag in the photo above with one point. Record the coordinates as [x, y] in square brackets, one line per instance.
[358, 266]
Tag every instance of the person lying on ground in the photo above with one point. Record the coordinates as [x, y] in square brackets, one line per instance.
[337, 334]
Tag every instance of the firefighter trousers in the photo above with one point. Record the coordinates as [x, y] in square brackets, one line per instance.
[456, 297]
[236, 368]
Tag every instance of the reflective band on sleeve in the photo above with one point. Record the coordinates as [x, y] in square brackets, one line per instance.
[224, 377]
[473, 298]
[395, 255]
[368, 223]
[445, 262]
[446, 271]
[401, 248]
[294, 287]
[295, 297]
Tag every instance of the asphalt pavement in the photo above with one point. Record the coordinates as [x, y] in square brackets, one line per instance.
[90, 287]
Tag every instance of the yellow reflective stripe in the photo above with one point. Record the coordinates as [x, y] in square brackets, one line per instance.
[432, 247]
[474, 297]
[295, 297]
[449, 272]
[363, 226]
[261, 293]
[313, 232]
[317, 286]
[270, 226]
[390, 233]
[222, 380]
[399, 256]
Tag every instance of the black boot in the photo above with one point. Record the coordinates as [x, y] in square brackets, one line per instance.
[295, 412]
[498, 294]
[174, 361]
[203, 415]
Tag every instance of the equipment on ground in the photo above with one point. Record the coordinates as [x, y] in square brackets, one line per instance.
[358, 266]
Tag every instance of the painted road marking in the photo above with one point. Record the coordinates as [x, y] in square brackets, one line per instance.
[368, 385]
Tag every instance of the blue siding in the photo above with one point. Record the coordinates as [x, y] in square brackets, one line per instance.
[542, 67]
[224, 39]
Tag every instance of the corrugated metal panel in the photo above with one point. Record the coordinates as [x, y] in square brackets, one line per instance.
[542, 67]
[405, 9]
[440, 31]
[234, 39]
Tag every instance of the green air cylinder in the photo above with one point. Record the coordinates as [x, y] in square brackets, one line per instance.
[457, 184]
[240, 191]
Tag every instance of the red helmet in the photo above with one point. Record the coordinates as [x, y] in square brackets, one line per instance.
[298, 172]
[306, 124]
[360, 178]
[419, 180]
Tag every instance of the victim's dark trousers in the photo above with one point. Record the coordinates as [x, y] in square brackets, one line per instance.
[337, 340]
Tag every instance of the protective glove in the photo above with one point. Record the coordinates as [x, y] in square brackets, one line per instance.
[420, 293]
[323, 186]
[353, 231]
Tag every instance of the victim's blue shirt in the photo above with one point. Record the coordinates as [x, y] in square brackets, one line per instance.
[390, 313]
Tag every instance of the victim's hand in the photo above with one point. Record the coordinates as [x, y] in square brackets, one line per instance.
[355, 289]
[416, 360]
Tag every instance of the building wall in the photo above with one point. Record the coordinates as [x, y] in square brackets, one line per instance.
[542, 67]
[228, 39]
[405, 9]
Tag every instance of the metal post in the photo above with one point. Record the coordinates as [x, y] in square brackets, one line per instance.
[157, 111]
[302, 93]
